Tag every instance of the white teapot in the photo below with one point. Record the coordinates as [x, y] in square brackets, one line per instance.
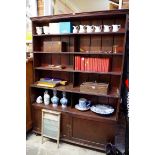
[107, 28]
[116, 28]
[82, 29]
[98, 28]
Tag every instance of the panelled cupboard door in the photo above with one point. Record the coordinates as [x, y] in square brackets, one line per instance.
[65, 128]
[92, 132]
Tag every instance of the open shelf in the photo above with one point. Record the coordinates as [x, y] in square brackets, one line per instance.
[121, 31]
[81, 53]
[88, 114]
[76, 89]
[70, 69]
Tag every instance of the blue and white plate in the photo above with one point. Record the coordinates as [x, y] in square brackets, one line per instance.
[82, 109]
[102, 109]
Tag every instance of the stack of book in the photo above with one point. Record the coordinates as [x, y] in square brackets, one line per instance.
[91, 64]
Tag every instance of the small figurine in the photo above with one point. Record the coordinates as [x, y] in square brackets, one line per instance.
[39, 99]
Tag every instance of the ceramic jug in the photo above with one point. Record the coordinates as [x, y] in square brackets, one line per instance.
[46, 98]
[89, 28]
[75, 29]
[39, 30]
[82, 29]
[98, 28]
[64, 100]
[107, 28]
[116, 28]
[55, 99]
[46, 29]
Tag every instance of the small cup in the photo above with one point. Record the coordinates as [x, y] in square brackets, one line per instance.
[39, 30]
[46, 29]
[83, 103]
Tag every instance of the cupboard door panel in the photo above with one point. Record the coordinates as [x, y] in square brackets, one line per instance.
[65, 126]
[93, 131]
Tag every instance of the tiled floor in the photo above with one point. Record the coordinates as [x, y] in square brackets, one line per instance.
[34, 147]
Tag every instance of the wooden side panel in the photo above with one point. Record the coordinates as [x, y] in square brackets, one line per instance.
[36, 115]
[29, 81]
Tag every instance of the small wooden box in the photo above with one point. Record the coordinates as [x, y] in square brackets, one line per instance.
[93, 87]
[54, 46]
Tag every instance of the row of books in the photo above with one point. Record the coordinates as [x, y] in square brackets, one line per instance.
[92, 64]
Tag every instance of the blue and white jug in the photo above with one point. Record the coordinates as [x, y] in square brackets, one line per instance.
[55, 99]
[64, 100]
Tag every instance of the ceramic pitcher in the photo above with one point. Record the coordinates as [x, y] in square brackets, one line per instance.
[98, 28]
[107, 28]
[82, 28]
[89, 28]
[116, 28]
[75, 29]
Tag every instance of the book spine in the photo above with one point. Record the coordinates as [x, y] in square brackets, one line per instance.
[78, 63]
[82, 63]
[75, 64]
[107, 64]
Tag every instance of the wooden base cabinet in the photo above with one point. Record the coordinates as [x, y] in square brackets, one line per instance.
[77, 130]
[90, 57]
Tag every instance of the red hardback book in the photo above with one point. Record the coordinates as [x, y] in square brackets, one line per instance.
[78, 63]
[104, 62]
[98, 65]
[97, 61]
[101, 65]
[95, 65]
[107, 63]
[86, 64]
[104, 65]
[90, 64]
[82, 63]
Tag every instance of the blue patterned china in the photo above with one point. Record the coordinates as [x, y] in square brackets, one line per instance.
[64, 100]
[102, 109]
[55, 99]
